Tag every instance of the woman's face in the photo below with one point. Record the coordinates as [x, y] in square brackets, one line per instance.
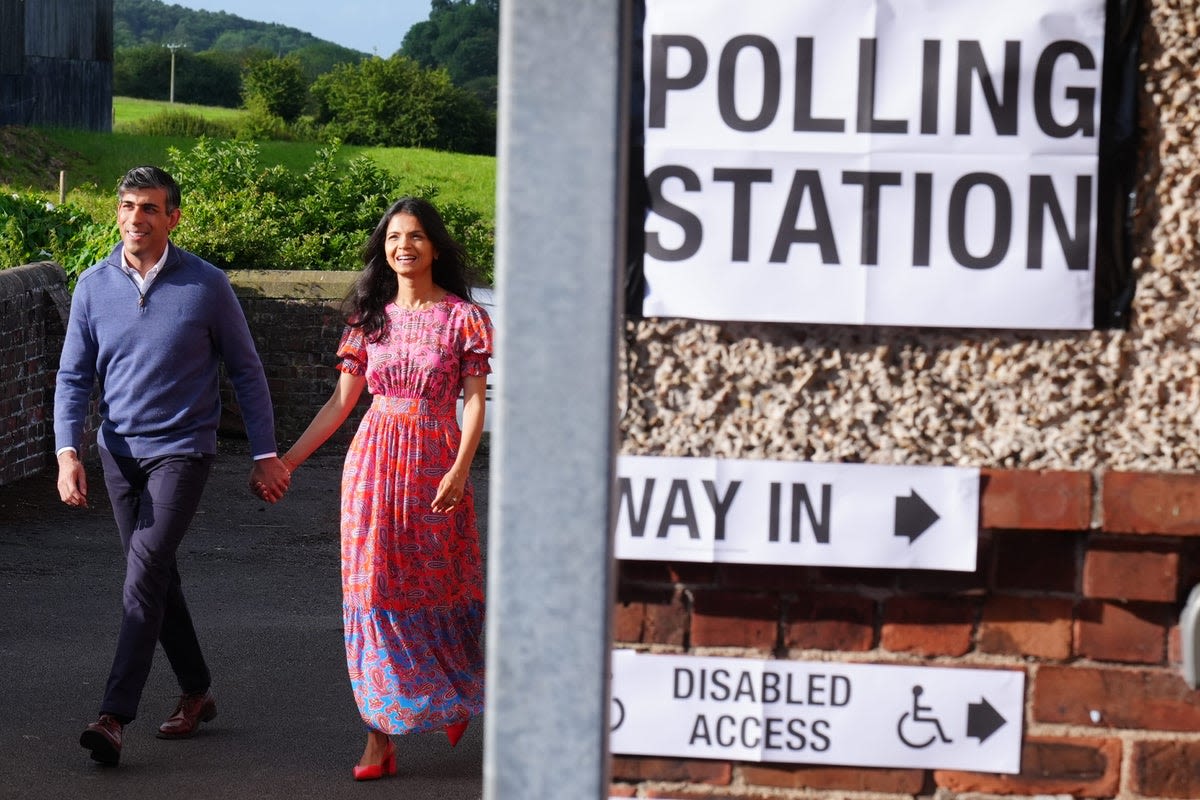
[408, 250]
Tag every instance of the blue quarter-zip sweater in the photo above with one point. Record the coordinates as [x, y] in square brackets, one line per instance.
[156, 358]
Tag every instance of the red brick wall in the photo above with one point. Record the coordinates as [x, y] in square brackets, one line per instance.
[1080, 581]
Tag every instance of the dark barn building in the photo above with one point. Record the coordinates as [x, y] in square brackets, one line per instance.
[56, 63]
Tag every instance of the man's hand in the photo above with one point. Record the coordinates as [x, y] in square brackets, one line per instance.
[269, 479]
[72, 479]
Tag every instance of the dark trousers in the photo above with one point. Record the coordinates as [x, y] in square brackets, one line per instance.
[153, 500]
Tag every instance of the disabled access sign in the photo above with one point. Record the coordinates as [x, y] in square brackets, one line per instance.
[870, 715]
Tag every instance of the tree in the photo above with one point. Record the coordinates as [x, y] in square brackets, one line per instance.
[394, 102]
[317, 59]
[275, 85]
[209, 79]
[461, 37]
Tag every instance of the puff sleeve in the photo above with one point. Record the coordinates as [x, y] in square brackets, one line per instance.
[477, 337]
[352, 352]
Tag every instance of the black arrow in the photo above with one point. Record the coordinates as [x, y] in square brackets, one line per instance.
[913, 516]
[983, 720]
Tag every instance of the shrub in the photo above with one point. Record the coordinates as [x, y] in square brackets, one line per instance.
[33, 229]
[240, 214]
[396, 103]
[276, 85]
[306, 129]
[181, 123]
[474, 233]
[260, 125]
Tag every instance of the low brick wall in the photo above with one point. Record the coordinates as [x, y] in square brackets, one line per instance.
[294, 317]
[296, 322]
[33, 312]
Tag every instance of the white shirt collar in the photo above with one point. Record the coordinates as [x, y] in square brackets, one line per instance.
[144, 283]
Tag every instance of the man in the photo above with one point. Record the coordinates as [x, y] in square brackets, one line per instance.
[152, 323]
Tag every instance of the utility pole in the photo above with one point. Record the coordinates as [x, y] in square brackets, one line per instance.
[173, 46]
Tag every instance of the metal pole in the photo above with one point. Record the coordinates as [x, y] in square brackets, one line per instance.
[559, 240]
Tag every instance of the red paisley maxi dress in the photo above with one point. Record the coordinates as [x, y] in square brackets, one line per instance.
[412, 583]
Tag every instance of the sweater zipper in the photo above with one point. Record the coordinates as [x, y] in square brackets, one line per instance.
[138, 289]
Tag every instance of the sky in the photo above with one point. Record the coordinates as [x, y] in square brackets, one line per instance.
[372, 26]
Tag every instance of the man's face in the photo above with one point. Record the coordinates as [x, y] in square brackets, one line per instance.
[145, 225]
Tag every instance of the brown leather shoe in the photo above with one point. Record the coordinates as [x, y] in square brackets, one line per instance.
[191, 711]
[103, 738]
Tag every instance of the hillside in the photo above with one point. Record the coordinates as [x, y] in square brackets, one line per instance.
[151, 22]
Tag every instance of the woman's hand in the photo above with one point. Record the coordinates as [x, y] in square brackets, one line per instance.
[450, 492]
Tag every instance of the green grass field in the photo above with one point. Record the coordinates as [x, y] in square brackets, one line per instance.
[96, 161]
[128, 110]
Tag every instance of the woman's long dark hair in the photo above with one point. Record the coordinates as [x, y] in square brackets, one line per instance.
[377, 284]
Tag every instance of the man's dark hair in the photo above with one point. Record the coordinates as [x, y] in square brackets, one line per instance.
[147, 177]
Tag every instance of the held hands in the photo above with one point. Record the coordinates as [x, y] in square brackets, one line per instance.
[450, 492]
[269, 479]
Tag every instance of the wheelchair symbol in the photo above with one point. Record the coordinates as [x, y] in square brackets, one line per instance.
[618, 714]
[916, 717]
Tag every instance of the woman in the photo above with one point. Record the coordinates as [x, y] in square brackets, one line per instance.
[412, 586]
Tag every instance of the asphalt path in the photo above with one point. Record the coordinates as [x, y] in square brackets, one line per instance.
[263, 585]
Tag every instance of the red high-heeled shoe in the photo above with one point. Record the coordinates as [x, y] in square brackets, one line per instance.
[455, 732]
[371, 772]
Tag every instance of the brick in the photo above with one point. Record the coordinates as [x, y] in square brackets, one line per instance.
[1136, 699]
[735, 619]
[650, 616]
[631, 768]
[1041, 562]
[1167, 769]
[843, 779]
[928, 626]
[621, 790]
[829, 621]
[1035, 500]
[1142, 502]
[1080, 767]
[1115, 632]
[627, 623]
[1121, 571]
[1025, 626]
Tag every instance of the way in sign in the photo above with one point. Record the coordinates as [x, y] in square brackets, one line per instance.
[743, 511]
[797, 501]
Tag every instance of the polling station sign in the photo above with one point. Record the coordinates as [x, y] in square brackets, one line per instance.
[871, 715]
[796, 512]
[925, 162]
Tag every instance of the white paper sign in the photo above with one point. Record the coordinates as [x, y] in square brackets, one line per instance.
[925, 162]
[872, 715]
[793, 512]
